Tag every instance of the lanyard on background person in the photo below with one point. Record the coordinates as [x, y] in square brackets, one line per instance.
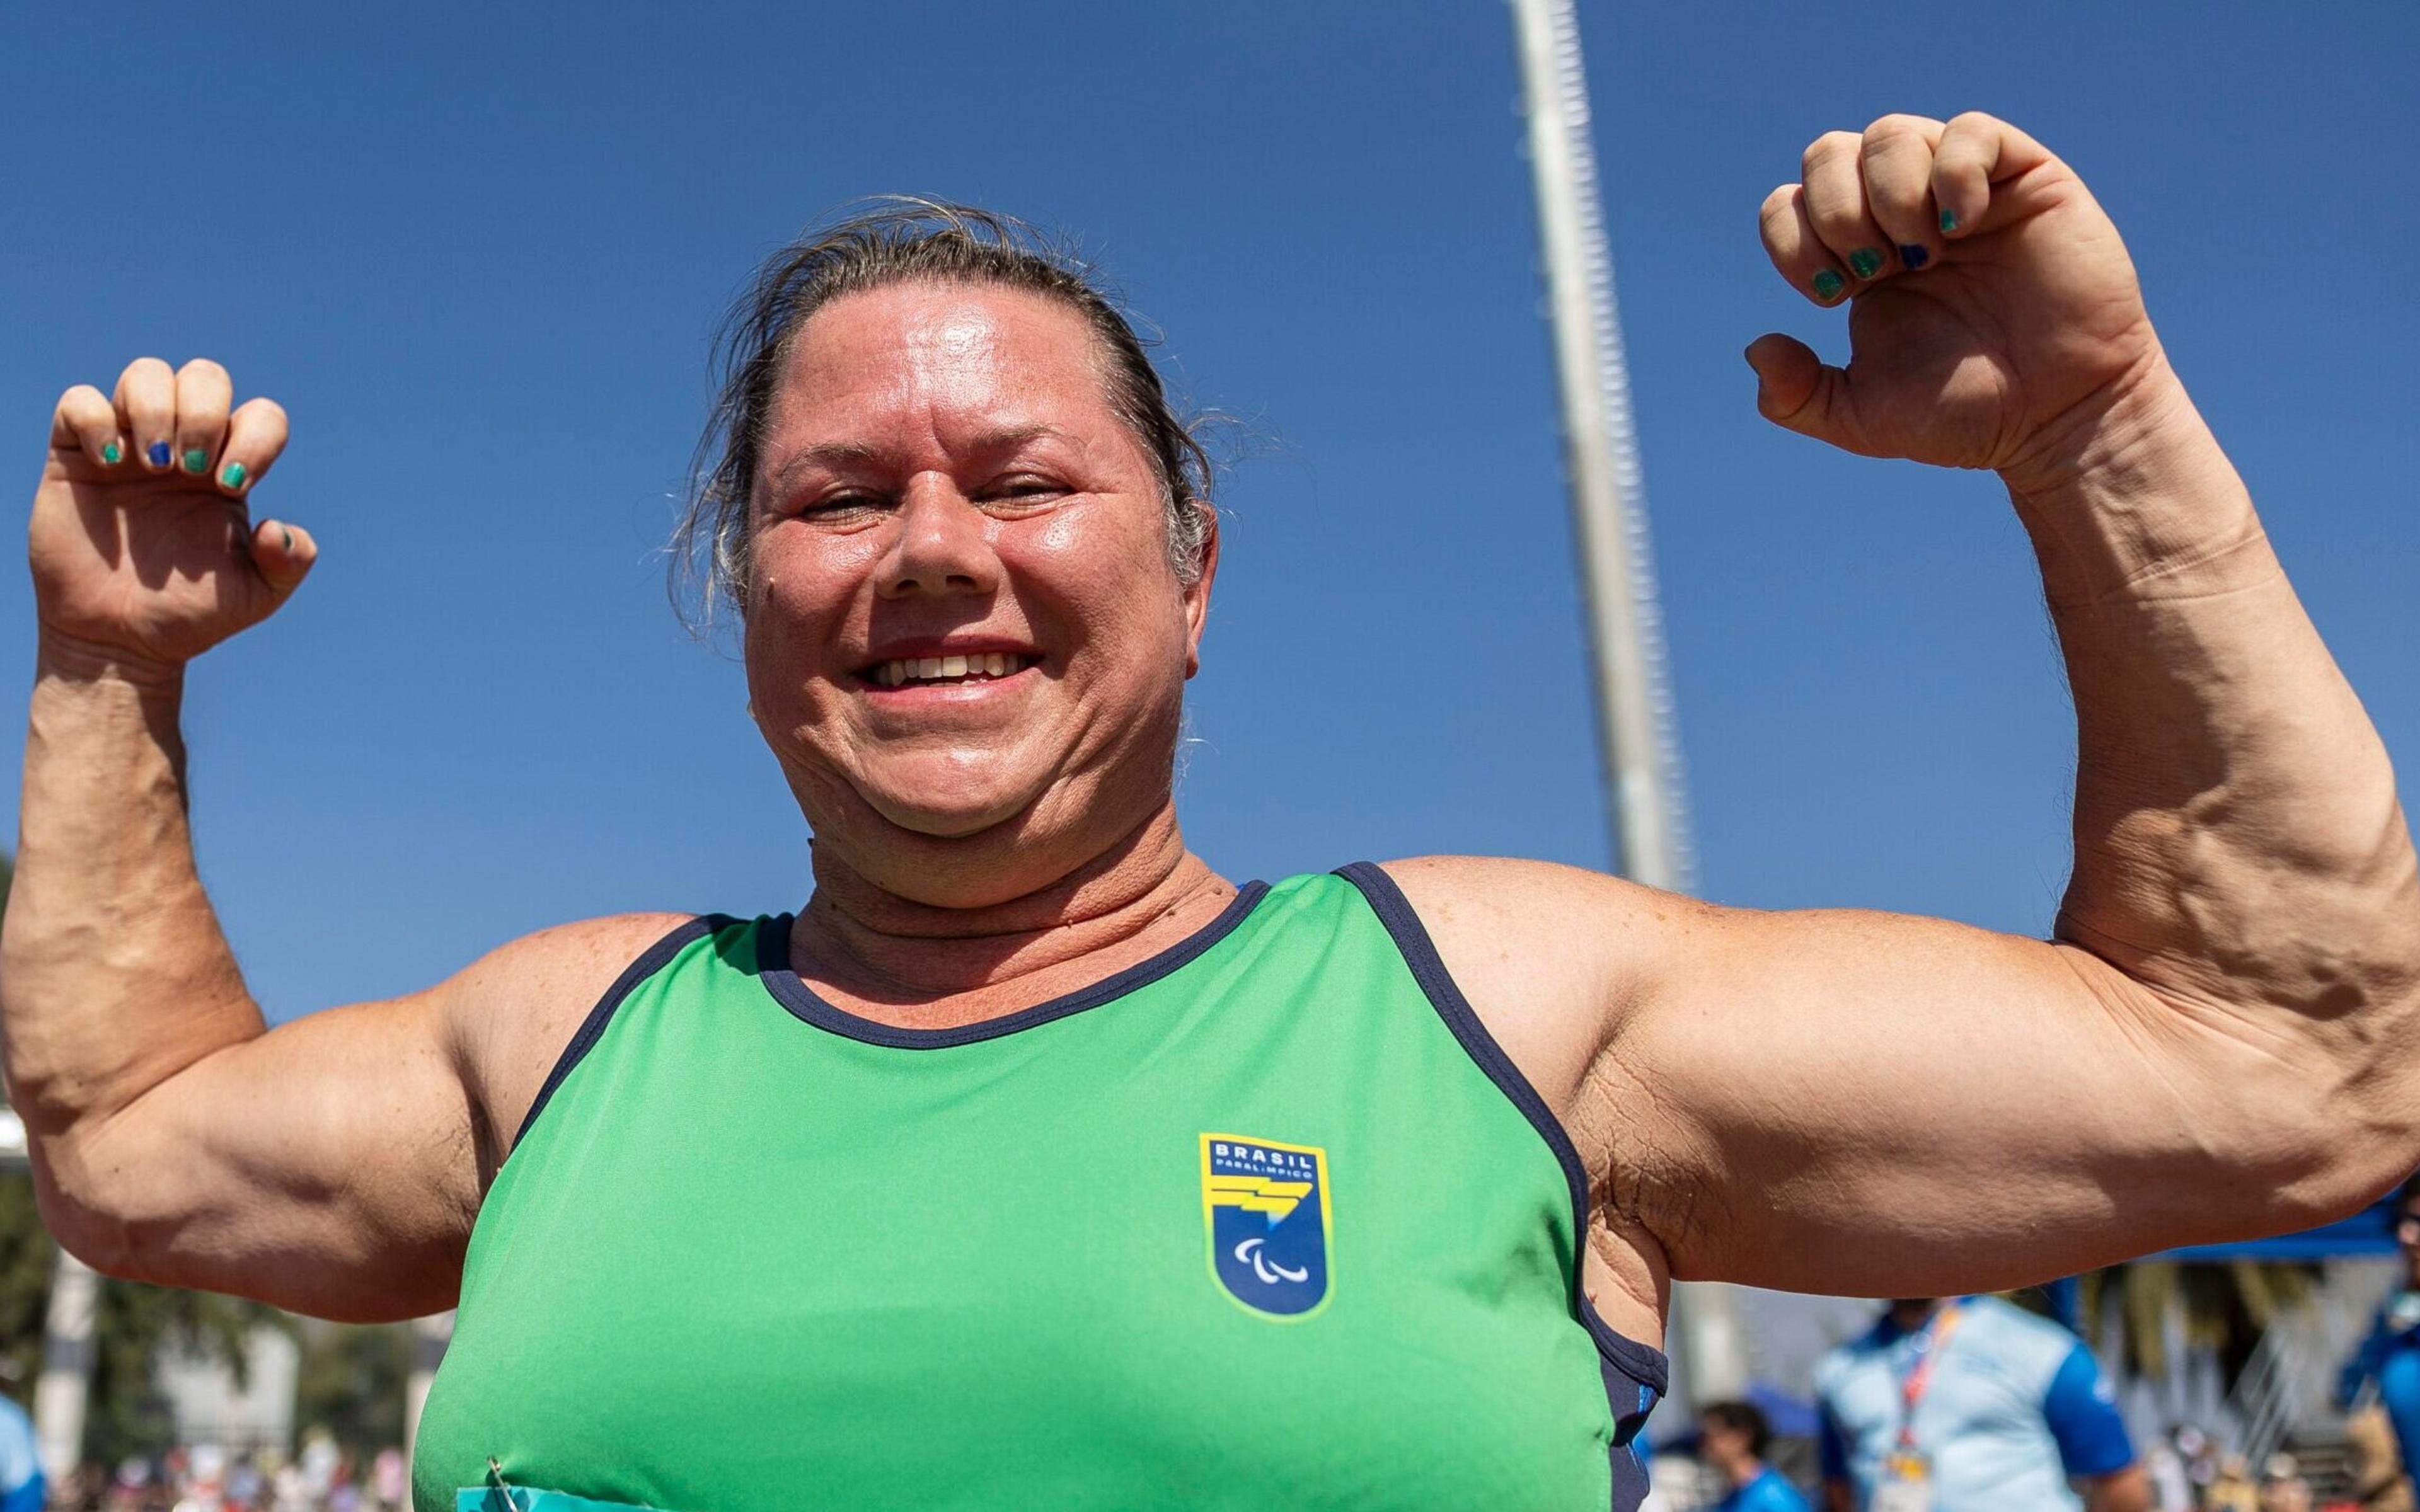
[1907, 1471]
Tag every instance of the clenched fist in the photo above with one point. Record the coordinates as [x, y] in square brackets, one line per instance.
[142, 546]
[1993, 314]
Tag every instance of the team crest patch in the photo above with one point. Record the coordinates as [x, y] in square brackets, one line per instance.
[1266, 1207]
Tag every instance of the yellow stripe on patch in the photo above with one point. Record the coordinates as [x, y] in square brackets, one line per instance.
[1256, 1194]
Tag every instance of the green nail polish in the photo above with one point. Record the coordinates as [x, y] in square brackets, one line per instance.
[231, 476]
[1828, 284]
[289, 536]
[1864, 262]
[113, 454]
[198, 460]
[1948, 221]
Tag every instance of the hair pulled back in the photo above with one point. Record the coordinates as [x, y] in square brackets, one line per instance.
[902, 240]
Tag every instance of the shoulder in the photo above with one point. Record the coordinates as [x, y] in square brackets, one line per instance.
[1508, 892]
[1770, 1492]
[510, 1013]
[1521, 935]
[1837, 1362]
[2021, 1336]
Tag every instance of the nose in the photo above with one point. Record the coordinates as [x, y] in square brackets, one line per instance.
[943, 549]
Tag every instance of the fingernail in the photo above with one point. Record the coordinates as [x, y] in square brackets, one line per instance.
[196, 460]
[1864, 262]
[1828, 284]
[112, 455]
[1948, 221]
[231, 476]
[288, 536]
[157, 453]
[1914, 257]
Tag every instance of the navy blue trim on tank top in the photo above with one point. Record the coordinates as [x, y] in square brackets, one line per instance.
[773, 968]
[1645, 1367]
[591, 1028]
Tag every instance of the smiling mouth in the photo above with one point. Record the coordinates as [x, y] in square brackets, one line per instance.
[919, 671]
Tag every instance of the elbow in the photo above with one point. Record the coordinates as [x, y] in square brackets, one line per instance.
[90, 1215]
[2345, 1148]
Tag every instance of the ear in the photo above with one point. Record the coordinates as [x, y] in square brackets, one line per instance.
[1197, 595]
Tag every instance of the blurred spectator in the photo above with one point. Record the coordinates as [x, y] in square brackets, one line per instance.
[2376, 1468]
[1971, 1405]
[2391, 1354]
[21, 1486]
[2166, 1467]
[2231, 1489]
[2281, 1486]
[1733, 1440]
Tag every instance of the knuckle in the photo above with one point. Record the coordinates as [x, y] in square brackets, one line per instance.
[148, 370]
[1894, 129]
[202, 370]
[1835, 214]
[1827, 148]
[1777, 205]
[1973, 120]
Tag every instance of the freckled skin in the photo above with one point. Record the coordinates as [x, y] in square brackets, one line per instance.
[922, 527]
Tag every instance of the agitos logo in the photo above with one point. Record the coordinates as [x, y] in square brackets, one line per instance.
[1264, 1206]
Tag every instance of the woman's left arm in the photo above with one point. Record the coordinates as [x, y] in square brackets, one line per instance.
[2222, 1039]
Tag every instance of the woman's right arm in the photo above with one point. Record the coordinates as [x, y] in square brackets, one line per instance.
[332, 1165]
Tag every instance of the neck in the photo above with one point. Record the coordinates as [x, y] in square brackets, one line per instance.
[1741, 1469]
[876, 944]
[1914, 1314]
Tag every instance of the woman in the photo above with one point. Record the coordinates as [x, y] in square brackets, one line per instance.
[1034, 1163]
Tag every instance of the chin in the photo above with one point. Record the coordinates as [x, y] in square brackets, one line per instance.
[955, 803]
[955, 821]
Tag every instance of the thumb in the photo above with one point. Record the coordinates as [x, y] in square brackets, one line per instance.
[1796, 392]
[282, 554]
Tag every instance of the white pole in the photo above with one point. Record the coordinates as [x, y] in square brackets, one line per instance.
[1601, 449]
[1650, 841]
[66, 1382]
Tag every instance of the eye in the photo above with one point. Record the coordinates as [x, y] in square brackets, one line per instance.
[1026, 489]
[843, 505]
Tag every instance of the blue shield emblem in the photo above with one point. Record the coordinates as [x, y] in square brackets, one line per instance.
[1266, 1207]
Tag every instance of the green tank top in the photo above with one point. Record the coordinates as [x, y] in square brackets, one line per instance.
[1267, 1220]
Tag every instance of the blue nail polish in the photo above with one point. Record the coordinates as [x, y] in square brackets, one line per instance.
[157, 453]
[1913, 256]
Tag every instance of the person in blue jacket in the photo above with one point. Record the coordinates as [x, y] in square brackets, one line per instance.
[21, 1486]
[2391, 1354]
[1971, 1404]
[1733, 1437]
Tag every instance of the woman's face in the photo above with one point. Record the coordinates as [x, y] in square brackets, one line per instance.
[965, 641]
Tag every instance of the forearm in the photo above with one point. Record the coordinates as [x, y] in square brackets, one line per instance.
[2239, 844]
[2128, 1490]
[113, 973]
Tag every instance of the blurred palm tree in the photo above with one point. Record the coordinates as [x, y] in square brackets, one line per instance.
[2223, 1308]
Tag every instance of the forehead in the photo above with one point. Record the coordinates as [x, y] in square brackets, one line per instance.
[938, 357]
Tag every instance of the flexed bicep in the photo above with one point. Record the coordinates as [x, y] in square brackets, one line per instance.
[1876, 1105]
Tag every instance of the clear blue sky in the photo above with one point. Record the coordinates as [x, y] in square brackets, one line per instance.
[478, 252]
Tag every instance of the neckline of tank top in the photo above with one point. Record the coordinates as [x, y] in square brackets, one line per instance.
[774, 970]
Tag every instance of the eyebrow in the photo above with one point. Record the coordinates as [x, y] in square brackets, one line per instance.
[849, 453]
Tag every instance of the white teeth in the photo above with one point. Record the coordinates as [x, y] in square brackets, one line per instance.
[895, 673]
